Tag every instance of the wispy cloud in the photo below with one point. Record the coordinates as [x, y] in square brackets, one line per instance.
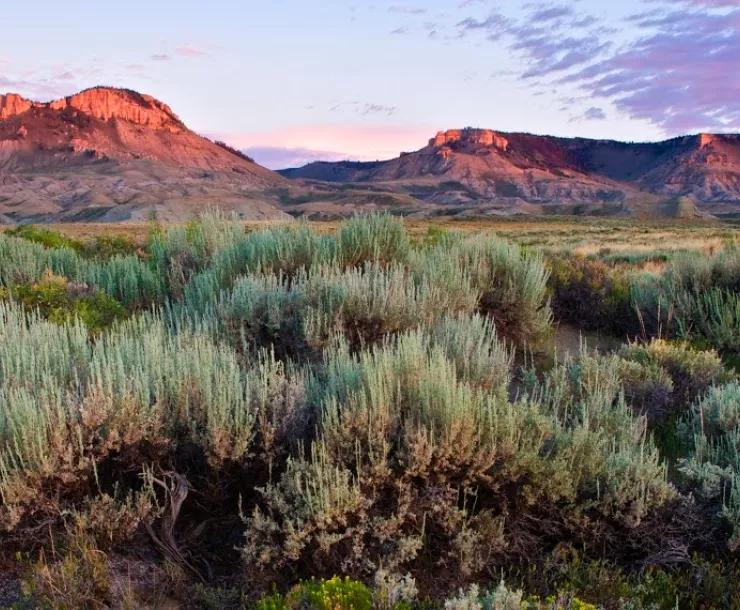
[407, 10]
[363, 109]
[40, 86]
[592, 114]
[188, 51]
[678, 70]
[349, 141]
[717, 3]
[378, 109]
[160, 57]
[552, 13]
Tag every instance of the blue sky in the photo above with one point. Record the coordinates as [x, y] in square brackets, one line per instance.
[295, 80]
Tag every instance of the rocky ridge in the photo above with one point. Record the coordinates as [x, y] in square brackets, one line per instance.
[469, 167]
[104, 104]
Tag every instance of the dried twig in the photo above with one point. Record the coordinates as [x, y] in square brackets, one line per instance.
[176, 487]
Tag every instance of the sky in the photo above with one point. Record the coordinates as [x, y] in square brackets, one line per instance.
[292, 81]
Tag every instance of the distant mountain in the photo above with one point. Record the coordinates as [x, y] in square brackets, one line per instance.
[115, 154]
[507, 172]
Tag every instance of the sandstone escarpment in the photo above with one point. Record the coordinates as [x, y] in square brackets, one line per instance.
[102, 103]
[705, 139]
[469, 138]
[105, 104]
[13, 104]
[109, 124]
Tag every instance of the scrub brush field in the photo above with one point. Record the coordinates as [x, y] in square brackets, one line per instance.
[370, 414]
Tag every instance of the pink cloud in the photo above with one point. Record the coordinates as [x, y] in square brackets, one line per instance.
[276, 157]
[187, 51]
[357, 143]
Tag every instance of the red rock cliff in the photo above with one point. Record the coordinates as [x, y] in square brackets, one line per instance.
[104, 104]
[12, 104]
[470, 138]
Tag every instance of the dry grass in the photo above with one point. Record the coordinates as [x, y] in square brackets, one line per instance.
[581, 235]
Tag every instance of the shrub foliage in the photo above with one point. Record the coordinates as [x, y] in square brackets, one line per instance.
[308, 404]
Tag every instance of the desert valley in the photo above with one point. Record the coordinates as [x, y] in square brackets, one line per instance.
[278, 331]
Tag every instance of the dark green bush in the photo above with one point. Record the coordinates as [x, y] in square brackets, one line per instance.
[692, 371]
[105, 247]
[592, 295]
[45, 237]
[61, 301]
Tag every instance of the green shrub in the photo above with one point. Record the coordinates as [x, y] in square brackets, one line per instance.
[400, 427]
[218, 242]
[105, 247]
[66, 403]
[45, 237]
[352, 398]
[592, 295]
[695, 299]
[102, 247]
[59, 301]
[306, 311]
[379, 238]
[501, 598]
[712, 315]
[648, 388]
[713, 469]
[512, 285]
[24, 262]
[79, 578]
[333, 594]
[675, 371]
[128, 279]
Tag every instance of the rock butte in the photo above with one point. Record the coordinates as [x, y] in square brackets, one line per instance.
[470, 138]
[109, 154]
[104, 104]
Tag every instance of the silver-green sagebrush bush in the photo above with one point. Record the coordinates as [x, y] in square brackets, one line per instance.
[67, 403]
[695, 299]
[713, 469]
[512, 285]
[407, 442]
[383, 284]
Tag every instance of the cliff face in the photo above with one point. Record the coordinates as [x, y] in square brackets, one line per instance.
[13, 104]
[104, 104]
[112, 124]
[706, 139]
[469, 138]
